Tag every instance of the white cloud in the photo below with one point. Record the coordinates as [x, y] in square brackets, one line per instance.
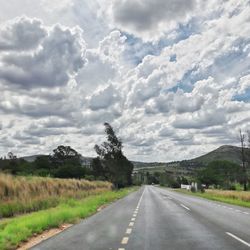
[187, 91]
[149, 19]
[57, 58]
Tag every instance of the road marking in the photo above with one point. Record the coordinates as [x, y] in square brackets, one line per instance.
[140, 198]
[125, 240]
[239, 239]
[185, 207]
[131, 223]
[245, 213]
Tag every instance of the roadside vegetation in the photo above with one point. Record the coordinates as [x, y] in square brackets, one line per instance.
[65, 162]
[240, 198]
[15, 230]
[59, 188]
[26, 194]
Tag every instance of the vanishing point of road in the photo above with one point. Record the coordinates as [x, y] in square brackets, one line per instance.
[155, 218]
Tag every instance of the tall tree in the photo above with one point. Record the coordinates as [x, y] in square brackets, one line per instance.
[243, 158]
[117, 167]
[65, 155]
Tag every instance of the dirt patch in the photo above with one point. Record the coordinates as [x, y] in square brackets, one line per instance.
[101, 207]
[36, 239]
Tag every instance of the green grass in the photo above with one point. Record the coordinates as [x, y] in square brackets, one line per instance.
[16, 230]
[218, 197]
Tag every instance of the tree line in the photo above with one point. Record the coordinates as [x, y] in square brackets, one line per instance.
[65, 162]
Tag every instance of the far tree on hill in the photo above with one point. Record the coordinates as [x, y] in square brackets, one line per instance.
[117, 168]
[243, 157]
[65, 155]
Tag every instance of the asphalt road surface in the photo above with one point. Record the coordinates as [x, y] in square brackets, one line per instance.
[155, 218]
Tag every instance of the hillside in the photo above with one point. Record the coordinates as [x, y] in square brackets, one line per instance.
[225, 152]
[85, 160]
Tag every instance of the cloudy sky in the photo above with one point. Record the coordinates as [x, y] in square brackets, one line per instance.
[171, 76]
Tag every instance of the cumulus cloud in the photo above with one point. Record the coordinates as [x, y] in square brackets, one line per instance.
[21, 34]
[182, 85]
[58, 57]
[147, 18]
[103, 98]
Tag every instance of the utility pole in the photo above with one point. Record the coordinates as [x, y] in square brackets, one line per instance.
[243, 158]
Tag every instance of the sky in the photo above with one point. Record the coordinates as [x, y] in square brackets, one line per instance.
[171, 76]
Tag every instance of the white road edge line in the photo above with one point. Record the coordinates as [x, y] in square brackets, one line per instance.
[239, 239]
[185, 207]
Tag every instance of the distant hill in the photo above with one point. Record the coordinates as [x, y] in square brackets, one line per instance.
[225, 152]
[31, 158]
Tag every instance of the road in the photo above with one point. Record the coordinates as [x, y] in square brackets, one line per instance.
[155, 218]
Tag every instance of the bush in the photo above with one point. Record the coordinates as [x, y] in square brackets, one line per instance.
[232, 187]
[175, 185]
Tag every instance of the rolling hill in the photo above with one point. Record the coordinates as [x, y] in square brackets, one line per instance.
[225, 152]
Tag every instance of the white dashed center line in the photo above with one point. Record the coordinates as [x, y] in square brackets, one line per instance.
[131, 224]
[185, 207]
[239, 239]
[125, 240]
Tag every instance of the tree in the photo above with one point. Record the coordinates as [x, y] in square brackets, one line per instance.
[243, 158]
[65, 155]
[70, 171]
[98, 169]
[42, 162]
[13, 163]
[220, 173]
[118, 168]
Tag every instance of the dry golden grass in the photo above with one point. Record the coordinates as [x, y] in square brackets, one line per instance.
[24, 194]
[237, 195]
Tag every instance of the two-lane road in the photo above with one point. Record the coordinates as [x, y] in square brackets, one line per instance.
[154, 218]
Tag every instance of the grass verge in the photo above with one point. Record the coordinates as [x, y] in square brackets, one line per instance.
[19, 194]
[231, 197]
[16, 230]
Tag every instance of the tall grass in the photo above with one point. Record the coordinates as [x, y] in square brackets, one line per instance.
[239, 198]
[236, 195]
[25, 194]
[18, 229]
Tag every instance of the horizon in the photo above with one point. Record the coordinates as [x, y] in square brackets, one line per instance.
[24, 156]
[173, 86]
